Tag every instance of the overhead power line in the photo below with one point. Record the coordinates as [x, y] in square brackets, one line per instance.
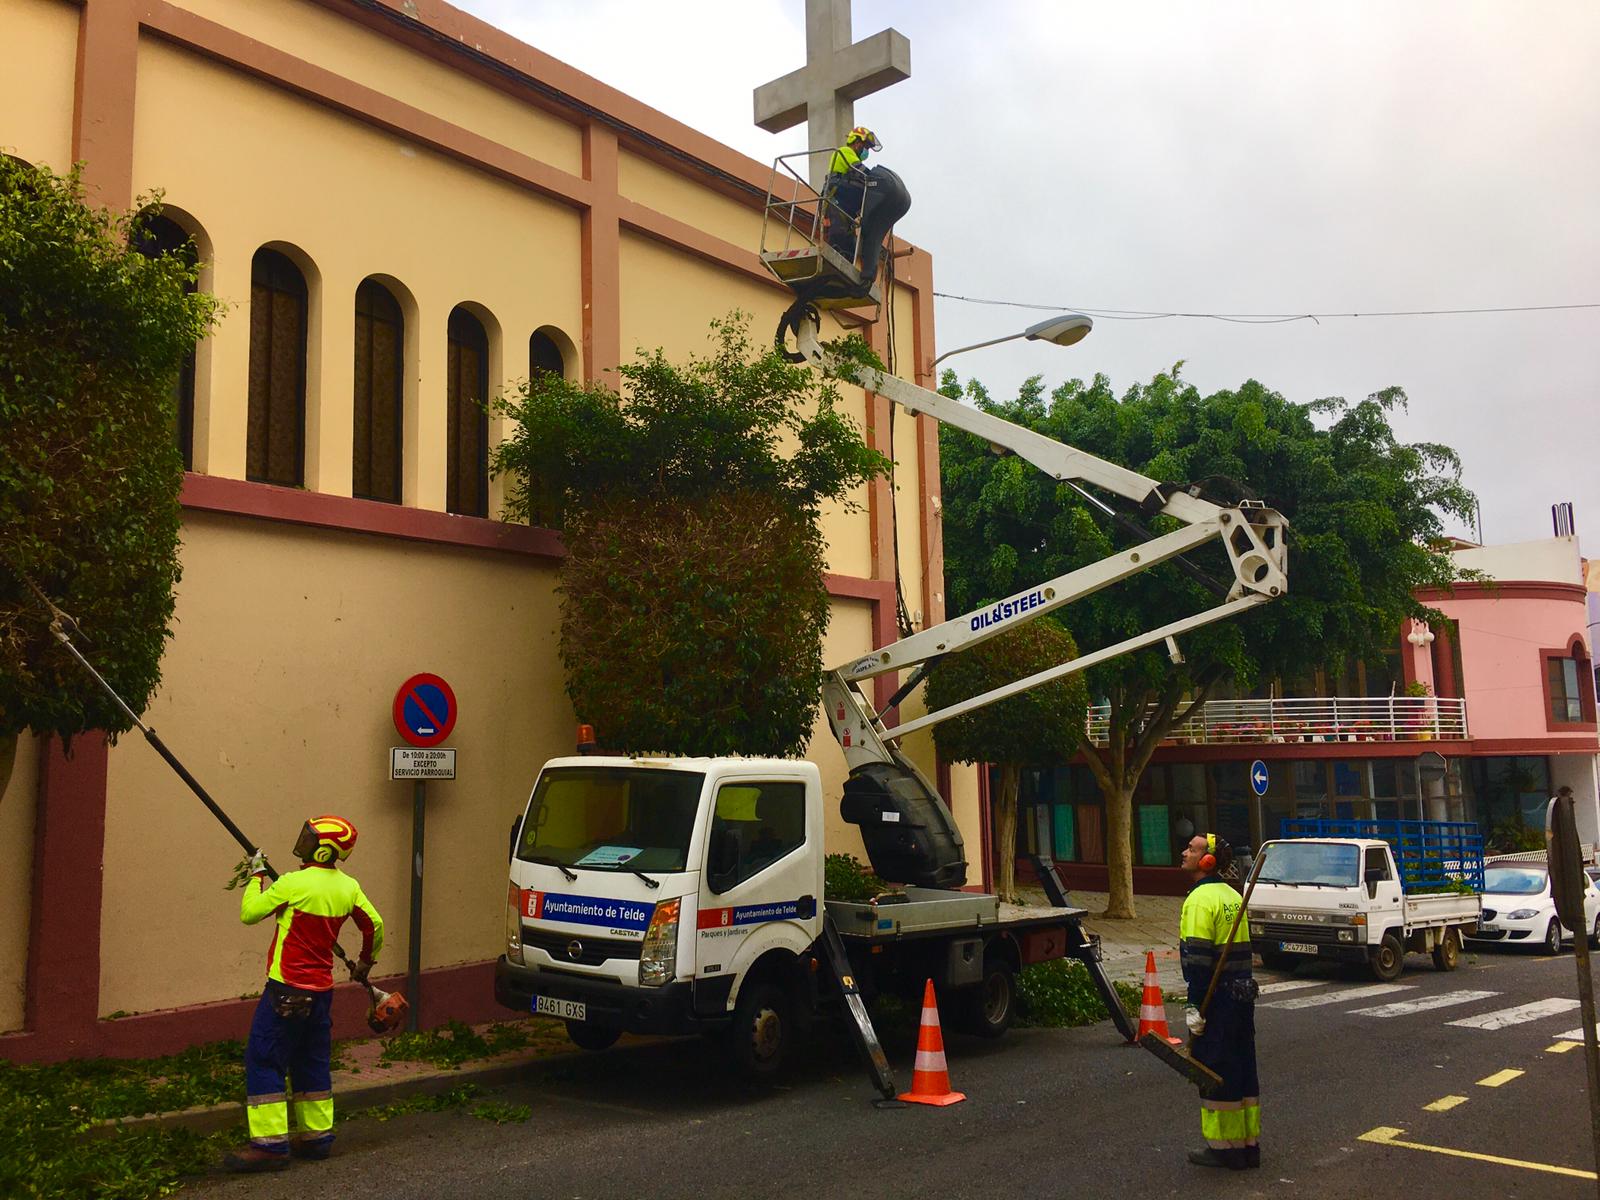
[1137, 314]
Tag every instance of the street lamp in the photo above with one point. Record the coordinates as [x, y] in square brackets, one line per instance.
[1065, 330]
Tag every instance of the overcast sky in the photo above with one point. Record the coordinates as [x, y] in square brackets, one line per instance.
[1221, 158]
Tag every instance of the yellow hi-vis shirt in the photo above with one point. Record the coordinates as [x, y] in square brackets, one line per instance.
[1208, 914]
[312, 904]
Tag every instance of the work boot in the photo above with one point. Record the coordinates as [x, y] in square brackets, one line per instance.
[1207, 1157]
[1252, 1157]
[312, 1148]
[253, 1158]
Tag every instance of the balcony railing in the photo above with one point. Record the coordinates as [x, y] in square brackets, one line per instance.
[1312, 720]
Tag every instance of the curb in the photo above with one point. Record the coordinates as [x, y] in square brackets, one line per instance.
[349, 1098]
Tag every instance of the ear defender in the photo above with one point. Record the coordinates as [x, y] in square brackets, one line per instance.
[1208, 860]
[324, 854]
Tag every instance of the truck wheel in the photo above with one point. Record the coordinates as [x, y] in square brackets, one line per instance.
[592, 1037]
[1447, 954]
[988, 1008]
[1552, 937]
[1277, 960]
[1388, 958]
[763, 1027]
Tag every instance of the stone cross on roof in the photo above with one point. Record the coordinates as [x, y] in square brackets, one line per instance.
[837, 73]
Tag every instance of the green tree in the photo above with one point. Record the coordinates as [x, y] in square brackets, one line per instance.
[1365, 516]
[1040, 727]
[692, 596]
[92, 335]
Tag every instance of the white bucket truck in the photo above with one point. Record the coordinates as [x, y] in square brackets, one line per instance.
[681, 895]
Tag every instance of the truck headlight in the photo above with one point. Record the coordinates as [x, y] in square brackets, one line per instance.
[514, 924]
[1258, 931]
[1522, 914]
[658, 958]
[1347, 935]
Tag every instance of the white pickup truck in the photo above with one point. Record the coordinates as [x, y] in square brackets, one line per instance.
[1345, 899]
[680, 895]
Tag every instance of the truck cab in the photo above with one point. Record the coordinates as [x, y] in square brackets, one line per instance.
[645, 891]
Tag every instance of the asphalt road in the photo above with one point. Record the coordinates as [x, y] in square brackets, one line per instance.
[1049, 1112]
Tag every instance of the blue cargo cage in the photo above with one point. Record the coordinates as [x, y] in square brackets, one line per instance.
[1430, 854]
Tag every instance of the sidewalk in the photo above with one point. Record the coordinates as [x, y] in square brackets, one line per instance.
[1123, 944]
[363, 1081]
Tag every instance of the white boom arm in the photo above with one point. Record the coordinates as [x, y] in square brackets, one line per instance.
[1251, 534]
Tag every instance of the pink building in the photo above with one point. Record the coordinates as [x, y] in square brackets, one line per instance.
[1478, 718]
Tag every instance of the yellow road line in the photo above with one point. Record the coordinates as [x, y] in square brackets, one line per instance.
[1562, 1047]
[1499, 1077]
[1386, 1135]
[1445, 1103]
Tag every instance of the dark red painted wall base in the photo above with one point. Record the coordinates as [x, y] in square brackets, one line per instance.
[461, 993]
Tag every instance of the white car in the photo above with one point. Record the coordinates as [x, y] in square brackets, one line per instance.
[1518, 907]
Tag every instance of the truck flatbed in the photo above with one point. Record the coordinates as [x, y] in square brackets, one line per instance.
[926, 912]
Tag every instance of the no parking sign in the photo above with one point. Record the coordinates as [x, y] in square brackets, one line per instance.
[424, 710]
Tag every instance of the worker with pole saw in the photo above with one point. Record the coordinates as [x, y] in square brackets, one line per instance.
[304, 948]
[1221, 1014]
[291, 1036]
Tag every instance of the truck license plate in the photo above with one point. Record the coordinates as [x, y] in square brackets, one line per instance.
[1298, 947]
[567, 1010]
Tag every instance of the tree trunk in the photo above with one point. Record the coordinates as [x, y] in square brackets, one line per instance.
[8, 759]
[1005, 834]
[1119, 851]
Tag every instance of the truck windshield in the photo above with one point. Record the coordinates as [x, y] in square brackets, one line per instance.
[1310, 862]
[611, 819]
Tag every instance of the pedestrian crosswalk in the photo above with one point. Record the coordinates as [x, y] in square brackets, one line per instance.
[1356, 1000]
[1339, 997]
[1519, 1015]
[1401, 1008]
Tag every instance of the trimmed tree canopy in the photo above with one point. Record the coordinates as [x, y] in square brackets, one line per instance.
[1036, 728]
[92, 335]
[692, 598]
[1039, 727]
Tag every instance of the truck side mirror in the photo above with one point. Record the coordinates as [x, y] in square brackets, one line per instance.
[1374, 877]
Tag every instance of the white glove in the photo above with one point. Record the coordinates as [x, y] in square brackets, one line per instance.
[258, 863]
[1193, 1019]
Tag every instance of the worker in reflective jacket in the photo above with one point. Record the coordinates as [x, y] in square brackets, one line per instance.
[290, 1045]
[845, 191]
[1224, 1036]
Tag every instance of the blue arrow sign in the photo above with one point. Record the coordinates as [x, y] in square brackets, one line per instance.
[1258, 777]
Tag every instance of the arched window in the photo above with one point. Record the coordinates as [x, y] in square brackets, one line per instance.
[380, 393]
[467, 429]
[275, 449]
[544, 355]
[162, 235]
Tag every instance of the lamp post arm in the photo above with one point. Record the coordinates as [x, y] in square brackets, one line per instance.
[1010, 337]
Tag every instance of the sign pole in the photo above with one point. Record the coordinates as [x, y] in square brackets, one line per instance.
[424, 715]
[419, 814]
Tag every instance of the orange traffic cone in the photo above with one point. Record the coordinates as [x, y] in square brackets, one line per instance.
[1152, 1009]
[930, 1078]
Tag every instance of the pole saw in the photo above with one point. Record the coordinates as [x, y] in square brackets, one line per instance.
[388, 1009]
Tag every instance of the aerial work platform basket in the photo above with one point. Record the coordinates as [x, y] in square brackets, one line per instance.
[828, 247]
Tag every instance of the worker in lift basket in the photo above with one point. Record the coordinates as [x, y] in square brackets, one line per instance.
[290, 1039]
[1224, 1038]
[845, 189]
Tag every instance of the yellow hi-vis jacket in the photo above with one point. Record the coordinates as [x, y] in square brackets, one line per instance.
[311, 904]
[1208, 915]
[843, 159]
